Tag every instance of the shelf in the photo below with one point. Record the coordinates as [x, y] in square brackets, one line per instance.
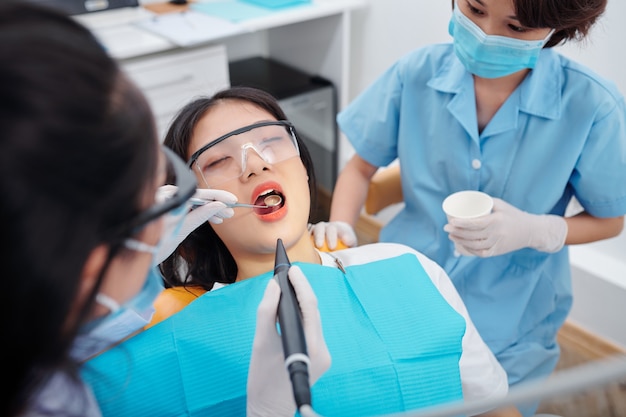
[113, 27]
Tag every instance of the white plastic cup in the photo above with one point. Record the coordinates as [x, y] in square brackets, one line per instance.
[467, 204]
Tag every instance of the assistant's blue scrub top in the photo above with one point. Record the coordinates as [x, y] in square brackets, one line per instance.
[561, 133]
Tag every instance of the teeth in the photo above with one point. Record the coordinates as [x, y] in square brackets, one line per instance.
[266, 192]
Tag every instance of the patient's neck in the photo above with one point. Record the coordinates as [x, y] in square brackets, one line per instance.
[252, 265]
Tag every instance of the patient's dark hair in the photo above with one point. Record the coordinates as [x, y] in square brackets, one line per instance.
[203, 259]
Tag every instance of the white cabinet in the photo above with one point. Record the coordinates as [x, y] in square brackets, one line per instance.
[171, 79]
[313, 38]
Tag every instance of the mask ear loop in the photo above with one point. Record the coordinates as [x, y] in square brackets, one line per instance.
[547, 38]
[107, 302]
[133, 244]
[140, 246]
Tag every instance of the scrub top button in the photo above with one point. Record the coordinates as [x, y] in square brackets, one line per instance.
[476, 164]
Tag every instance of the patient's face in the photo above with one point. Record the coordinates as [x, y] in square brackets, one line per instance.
[252, 233]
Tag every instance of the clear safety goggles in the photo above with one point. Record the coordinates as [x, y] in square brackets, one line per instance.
[176, 204]
[225, 158]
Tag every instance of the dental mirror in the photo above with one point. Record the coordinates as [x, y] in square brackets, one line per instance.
[273, 200]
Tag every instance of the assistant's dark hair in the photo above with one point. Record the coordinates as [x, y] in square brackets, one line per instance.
[571, 19]
[203, 259]
[78, 151]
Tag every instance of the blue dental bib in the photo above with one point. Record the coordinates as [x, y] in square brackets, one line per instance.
[394, 340]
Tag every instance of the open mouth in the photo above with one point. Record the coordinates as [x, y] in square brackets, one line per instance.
[275, 200]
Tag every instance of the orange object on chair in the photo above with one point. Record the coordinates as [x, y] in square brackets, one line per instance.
[340, 245]
[172, 300]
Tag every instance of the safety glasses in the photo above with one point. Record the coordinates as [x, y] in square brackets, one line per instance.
[226, 157]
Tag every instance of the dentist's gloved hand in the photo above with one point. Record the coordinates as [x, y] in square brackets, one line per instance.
[214, 212]
[330, 232]
[505, 230]
[269, 388]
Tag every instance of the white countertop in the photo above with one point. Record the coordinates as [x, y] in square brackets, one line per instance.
[117, 29]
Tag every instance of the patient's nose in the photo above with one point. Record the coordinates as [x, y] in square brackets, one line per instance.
[254, 162]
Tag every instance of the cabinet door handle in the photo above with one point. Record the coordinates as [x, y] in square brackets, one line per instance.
[168, 83]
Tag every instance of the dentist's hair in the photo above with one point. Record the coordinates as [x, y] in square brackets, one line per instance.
[214, 263]
[78, 150]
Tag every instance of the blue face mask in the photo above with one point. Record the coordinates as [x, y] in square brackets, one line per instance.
[491, 56]
[124, 320]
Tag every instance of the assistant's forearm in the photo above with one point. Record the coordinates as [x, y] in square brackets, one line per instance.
[348, 198]
[351, 191]
[584, 228]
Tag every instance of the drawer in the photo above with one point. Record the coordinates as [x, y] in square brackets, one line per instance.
[171, 80]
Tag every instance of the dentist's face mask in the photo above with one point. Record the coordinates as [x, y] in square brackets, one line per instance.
[123, 320]
[127, 318]
[491, 56]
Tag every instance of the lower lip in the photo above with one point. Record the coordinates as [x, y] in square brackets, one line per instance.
[273, 216]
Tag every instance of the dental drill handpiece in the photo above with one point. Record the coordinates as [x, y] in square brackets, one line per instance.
[291, 331]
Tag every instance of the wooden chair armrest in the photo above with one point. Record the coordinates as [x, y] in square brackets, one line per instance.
[384, 190]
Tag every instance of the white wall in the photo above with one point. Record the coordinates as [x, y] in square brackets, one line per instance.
[603, 50]
[387, 29]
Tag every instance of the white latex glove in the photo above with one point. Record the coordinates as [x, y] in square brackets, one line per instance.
[214, 212]
[505, 230]
[331, 231]
[269, 388]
